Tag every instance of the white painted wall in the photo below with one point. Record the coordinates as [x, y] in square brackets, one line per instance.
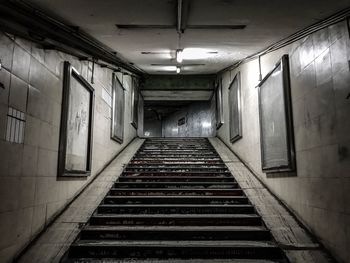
[30, 193]
[320, 193]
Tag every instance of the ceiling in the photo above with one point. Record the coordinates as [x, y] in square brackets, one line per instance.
[266, 22]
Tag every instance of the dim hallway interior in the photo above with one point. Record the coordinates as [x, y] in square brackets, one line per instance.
[175, 131]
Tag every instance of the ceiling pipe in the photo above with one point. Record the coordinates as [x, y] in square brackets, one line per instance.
[19, 17]
[179, 16]
[331, 20]
[182, 15]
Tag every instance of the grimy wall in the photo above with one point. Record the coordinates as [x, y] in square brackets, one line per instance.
[199, 120]
[30, 193]
[320, 82]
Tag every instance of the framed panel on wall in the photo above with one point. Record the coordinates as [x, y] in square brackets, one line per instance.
[219, 105]
[75, 145]
[134, 103]
[118, 109]
[276, 121]
[235, 108]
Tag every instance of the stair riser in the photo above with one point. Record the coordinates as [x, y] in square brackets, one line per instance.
[176, 166]
[175, 178]
[183, 210]
[253, 221]
[173, 162]
[175, 235]
[172, 185]
[150, 200]
[179, 173]
[176, 252]
[180, 192]
[177, 155]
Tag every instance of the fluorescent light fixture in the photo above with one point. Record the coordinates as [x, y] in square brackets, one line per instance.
[168, 68]
[179, 55]
[178, 69]
[197, 53]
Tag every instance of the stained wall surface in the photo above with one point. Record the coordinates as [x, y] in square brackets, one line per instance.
[319, 194]
[30, 192]
[199, 121]
[152, 128]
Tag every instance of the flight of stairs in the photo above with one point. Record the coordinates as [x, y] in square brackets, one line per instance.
[176, 200]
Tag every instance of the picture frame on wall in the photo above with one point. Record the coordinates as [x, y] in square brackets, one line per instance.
[235, 113]
[134, 103]
[276, 120]
[219, 104]
[118, 110]
[76, 131]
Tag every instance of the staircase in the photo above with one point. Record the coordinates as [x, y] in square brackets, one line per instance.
[176, 200]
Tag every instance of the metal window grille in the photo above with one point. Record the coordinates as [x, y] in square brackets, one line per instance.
[15, 126]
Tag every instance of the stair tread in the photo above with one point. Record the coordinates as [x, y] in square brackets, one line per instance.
[180, 243]
[175, 228]
[179, 215]
[174, 189]
[177, 205]
[133, 260]
[177, 183]
[179, 197]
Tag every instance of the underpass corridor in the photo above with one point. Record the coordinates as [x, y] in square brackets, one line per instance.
[183, 131]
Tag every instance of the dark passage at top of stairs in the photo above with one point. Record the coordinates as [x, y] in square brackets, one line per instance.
[176, 200]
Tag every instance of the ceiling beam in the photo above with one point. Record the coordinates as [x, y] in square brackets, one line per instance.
[131, 26]
[214, 27]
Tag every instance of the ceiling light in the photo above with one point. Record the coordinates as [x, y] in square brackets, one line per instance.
[168, 68]
[178, 69]
[197, 53]
[179, 55]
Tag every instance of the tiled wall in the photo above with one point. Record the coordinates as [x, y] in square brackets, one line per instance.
[320, 83]
[30, 193]
[200, 121]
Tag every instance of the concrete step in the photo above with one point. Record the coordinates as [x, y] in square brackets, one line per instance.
[175, 249]
[133, 260]
[175, 209]
[177, 185]
[175, 200]
[177, 219]
[175, 170]
[179, 154]
[175, 233]
[177, 166]
[172, 192]
[177, 173]
[177, 178]
[174, 161]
